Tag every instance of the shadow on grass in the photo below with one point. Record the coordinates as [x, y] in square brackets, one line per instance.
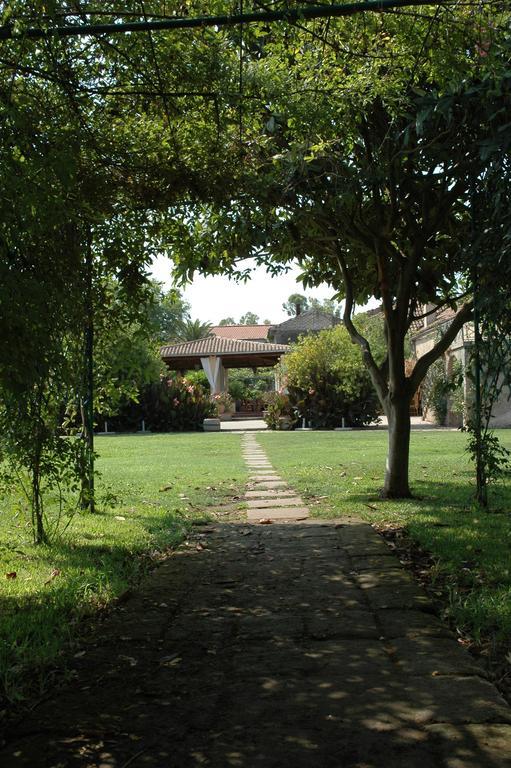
[82, 578]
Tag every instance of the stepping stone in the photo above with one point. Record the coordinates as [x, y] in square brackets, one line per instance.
[294, 501]
[279, 513]
[266, 484]
[266, 476]
[268, 494]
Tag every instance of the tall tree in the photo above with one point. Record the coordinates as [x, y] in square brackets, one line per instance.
[249, 318]
[352, 179]
[227, 321]
[295, 304]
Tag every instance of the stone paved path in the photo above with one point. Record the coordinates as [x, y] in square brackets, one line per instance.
[268, 496]
[288, 645]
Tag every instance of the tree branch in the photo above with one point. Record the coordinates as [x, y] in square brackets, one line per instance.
[423, 363]
[375, 373]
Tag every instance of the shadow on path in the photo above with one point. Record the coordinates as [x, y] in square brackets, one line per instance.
[303, 645]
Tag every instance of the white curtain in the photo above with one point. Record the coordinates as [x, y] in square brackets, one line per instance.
[213, 367]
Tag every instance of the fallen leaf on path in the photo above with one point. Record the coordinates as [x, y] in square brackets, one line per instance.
[130, 659]
[79, 655]
[11, 575]
[170, 661]
[199, 547]
[265, 521]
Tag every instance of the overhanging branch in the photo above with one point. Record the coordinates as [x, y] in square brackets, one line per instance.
[10, 32]
[423, 363]
[377, 377]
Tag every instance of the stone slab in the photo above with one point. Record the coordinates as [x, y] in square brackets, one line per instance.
[432, 656]
[293, 501]
[279, 513]
[265, 476]
[268, 484]
[473, 746]
[261, 494]
[409, 623]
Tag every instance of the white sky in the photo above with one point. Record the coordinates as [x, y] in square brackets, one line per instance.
[213, 298]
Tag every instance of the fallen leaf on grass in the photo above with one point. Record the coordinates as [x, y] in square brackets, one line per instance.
[166, 488]
[53, 575]
[119, 517]
[11, 575]
[342, 474]
[370, 506]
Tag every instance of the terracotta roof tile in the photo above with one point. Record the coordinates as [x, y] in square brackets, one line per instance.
[244, 332]
[215, 345]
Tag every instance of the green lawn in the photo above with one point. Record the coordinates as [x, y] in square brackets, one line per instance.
[150, 491]
[341, 473]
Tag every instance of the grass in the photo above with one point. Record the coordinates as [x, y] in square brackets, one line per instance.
[151, 490]
[341, 473]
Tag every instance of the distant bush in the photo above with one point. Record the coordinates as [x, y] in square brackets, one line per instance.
[327, 381]
[171, 404]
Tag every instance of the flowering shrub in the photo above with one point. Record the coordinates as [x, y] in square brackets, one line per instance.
[279, 413]
[223, 401]
[175, 404]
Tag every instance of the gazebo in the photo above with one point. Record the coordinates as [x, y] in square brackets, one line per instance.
[216, 355]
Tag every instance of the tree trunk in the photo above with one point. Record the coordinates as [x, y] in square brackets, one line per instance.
[396, 472]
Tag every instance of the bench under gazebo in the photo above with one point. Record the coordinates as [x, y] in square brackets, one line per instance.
[215, 355]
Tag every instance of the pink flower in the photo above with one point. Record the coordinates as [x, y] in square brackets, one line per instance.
[312, 391]
[176, 402]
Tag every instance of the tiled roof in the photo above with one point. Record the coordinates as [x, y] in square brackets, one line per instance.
[312, 320]
[244, 332]
[215, 345]
[436, 318]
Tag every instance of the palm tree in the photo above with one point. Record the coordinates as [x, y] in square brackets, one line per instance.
[189, 330]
